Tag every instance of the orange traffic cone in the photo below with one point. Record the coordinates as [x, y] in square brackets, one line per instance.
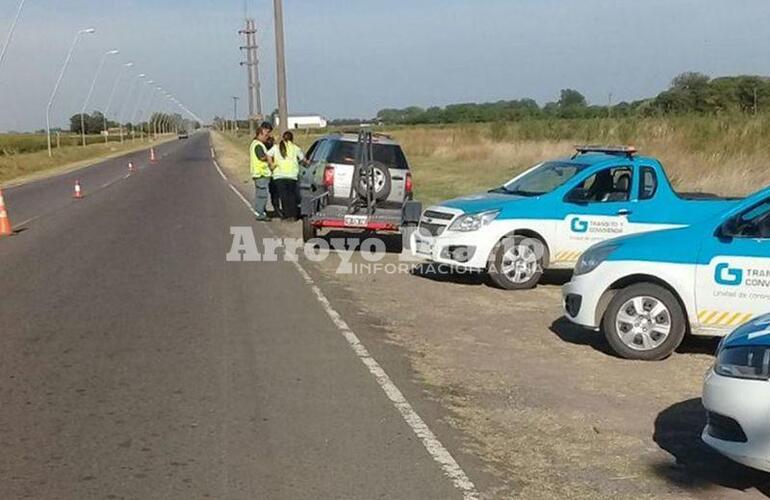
[152, 156]
[130, 167]
[5, 222]
[78, 192]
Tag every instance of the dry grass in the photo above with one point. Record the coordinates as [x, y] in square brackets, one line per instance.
[721, 155]
[23, 166]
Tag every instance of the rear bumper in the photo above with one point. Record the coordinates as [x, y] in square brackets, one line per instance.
[333, 217]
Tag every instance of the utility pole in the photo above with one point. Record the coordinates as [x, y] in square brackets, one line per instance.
[252, 71]
[755, 101]
[235, 113]
[283, 107]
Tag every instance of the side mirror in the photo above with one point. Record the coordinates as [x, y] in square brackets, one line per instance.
[729, 228]
[577, 195]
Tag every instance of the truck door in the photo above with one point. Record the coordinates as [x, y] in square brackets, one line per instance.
[733, 271]
[597, 210]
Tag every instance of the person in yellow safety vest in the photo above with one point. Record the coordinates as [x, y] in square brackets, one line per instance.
[261, 166]
[287, 158]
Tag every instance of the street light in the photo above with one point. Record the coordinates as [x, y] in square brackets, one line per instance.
[121, 113]
[139, 103]
[58, 82]
[91, 91]
[10, 32]
[112, 95]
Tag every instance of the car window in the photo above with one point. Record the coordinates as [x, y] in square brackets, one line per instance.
[608, 185]
[542, 179]
[755, 222]
[649, 185]
[344, 152]
[321, 151]
[310, 151]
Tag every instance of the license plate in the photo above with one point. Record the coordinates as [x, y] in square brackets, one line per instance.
[423, 247]
[356, 220]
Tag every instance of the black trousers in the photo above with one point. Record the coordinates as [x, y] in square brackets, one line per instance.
[275, 200]
[287, 192]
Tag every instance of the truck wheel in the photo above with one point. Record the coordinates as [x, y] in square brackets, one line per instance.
[644, 322]
[309, 231]
[517, 263]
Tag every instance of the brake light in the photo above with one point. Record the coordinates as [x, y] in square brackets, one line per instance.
[329, 176]
[408, 183]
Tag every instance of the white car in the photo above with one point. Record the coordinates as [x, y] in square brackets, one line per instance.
[736, 395]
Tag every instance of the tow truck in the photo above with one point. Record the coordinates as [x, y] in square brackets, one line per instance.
[549, 215]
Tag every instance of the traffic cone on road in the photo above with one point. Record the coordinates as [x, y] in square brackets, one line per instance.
[5, 222]
[78, 191]
[130, 167]
[153, 159]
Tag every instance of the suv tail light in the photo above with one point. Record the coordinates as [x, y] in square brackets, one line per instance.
[329, 176]
[408, 183]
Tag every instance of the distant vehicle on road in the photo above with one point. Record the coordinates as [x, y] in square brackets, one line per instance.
[647, 291]
[183, 134]
[356, 182]
[736, 395]
[547, 216]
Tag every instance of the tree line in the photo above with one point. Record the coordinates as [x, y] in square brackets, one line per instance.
[688, 93]
[94, 123]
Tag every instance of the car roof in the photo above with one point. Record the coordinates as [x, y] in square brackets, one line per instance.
[754, 333]
[353, 137]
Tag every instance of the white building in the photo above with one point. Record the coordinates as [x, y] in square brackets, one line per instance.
[304, 121]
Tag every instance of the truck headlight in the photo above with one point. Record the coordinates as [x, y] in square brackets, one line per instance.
[750, 362]
[474, 222]
[592, 258]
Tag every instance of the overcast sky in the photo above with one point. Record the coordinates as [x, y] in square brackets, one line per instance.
[350, 59]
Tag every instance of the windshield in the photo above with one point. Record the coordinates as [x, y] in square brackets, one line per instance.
[542, 179]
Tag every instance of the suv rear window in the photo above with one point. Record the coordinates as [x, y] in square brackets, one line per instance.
[344, 152]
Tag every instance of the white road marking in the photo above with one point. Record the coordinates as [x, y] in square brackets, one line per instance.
[27, 221]
[435, 448]
[222, 174]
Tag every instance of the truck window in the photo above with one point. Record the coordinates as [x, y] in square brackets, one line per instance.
[310, 151]
[609, 185]
[344, 152]
[649, 185]
[321, 151]
[755, 223]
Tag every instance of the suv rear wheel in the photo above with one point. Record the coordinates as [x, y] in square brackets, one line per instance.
[645, 322]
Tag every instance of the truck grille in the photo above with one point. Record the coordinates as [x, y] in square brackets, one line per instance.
[431, 229]
[432, 214]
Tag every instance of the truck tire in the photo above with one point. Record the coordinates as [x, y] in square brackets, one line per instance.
[517, 263]
[309, 231]
[644, 322]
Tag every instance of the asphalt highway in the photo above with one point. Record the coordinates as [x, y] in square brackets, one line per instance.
[136, 363]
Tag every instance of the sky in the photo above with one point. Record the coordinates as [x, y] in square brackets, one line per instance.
[353, 58]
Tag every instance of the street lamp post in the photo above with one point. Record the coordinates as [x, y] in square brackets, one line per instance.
[91, 91]
[124, 106]
[112, 96]
[136, 110]
[58, 82]
[10, 32]
[137, 114]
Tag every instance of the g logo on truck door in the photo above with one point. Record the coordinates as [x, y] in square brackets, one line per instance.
[579, 226]
[725, 275]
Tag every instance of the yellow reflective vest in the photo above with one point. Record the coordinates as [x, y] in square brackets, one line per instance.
[286, 167]
[259, 168]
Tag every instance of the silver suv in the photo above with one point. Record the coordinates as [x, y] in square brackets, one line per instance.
[335, 191]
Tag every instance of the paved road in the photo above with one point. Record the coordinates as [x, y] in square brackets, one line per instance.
[136, 363]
